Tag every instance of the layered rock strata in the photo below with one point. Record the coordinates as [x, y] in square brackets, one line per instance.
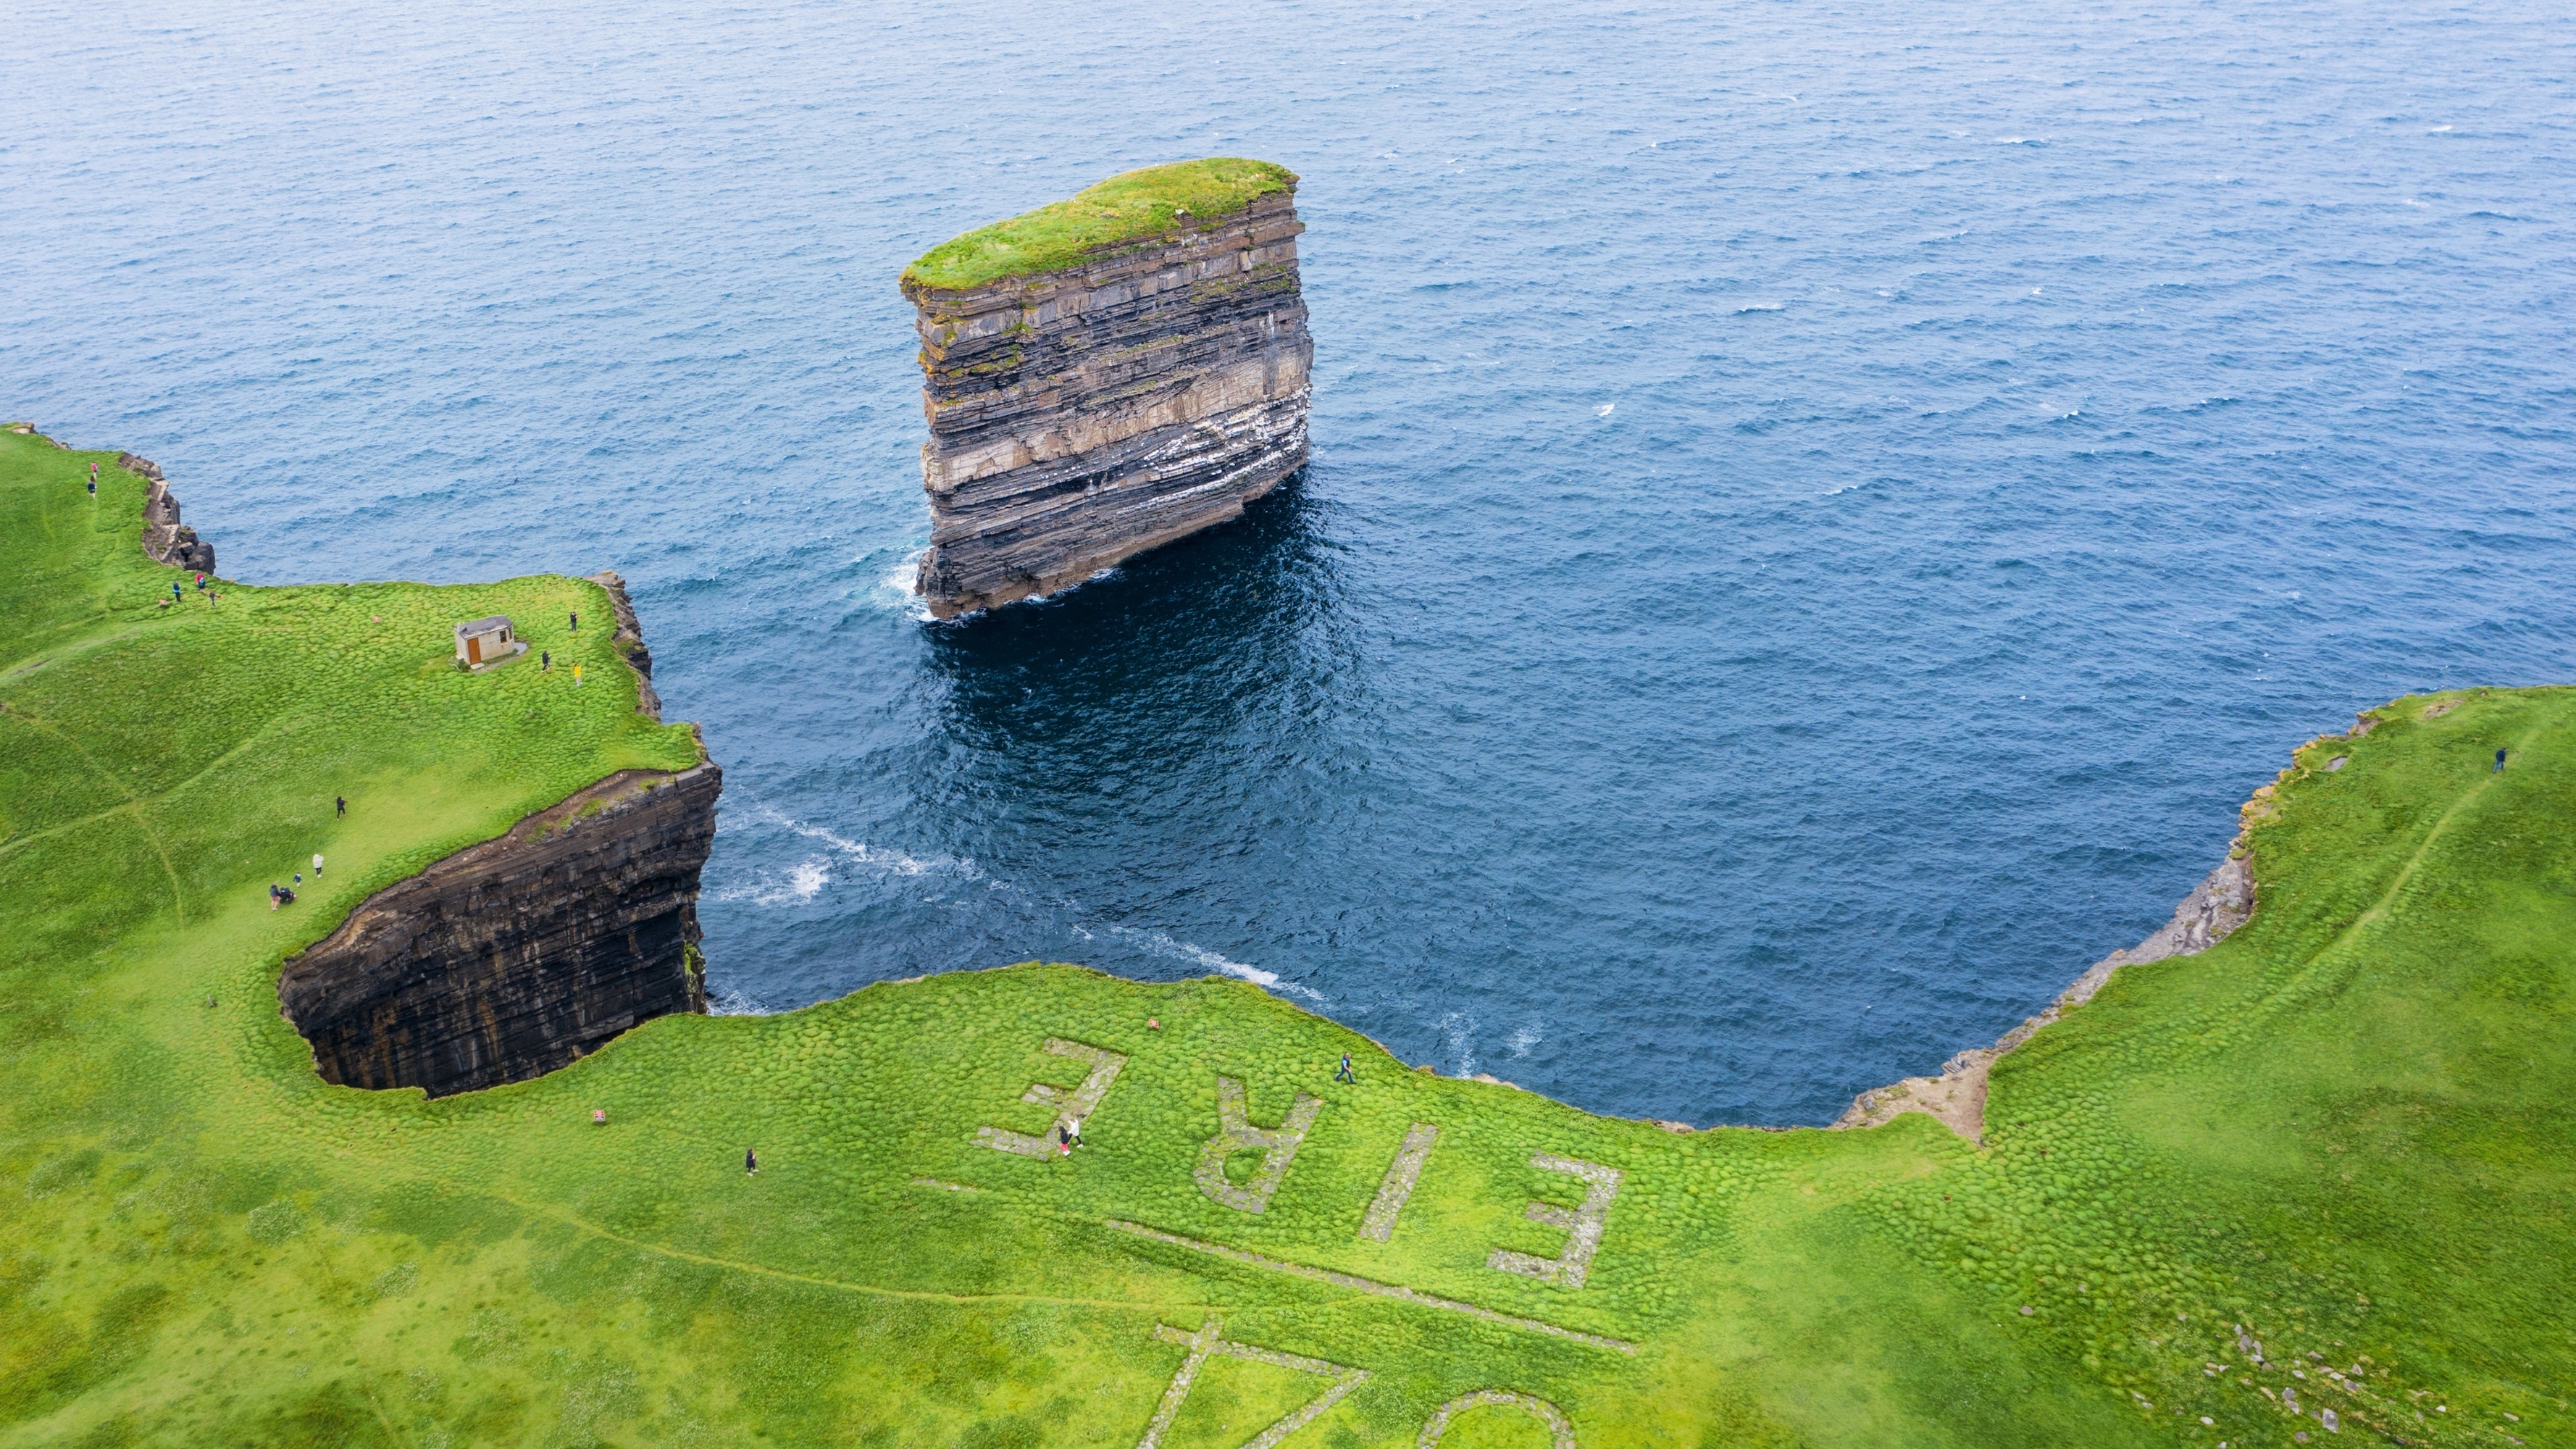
[1088, 413]
[511, 958]
[165, 538]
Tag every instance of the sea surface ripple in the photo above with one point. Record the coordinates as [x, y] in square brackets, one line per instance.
[1819, 512]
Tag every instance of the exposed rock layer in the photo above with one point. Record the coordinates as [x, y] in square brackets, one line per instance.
[510, 958]
[164, 537]
[629, 640]
[1083, 415]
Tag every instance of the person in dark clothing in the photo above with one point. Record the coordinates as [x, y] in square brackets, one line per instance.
[1344, 1075]
[2499, 759]
[339, 805]
[576, 621]
[750, 1163]
[273, 894]
[545, 661]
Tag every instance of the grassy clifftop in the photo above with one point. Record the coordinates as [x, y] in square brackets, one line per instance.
[1132, 205]
[2338, 1135]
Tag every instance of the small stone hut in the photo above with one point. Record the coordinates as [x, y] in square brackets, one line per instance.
[486, 641]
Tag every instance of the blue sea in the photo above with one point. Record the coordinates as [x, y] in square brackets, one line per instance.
[1819, 513]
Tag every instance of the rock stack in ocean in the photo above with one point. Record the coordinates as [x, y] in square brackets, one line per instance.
[1108, 374]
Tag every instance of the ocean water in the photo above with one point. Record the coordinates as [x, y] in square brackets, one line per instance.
[1819, 512]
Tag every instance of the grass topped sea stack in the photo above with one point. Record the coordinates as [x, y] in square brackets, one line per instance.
[1107, 374]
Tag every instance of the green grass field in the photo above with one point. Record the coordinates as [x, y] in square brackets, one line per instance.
[2339, 1129]
[1127, 207]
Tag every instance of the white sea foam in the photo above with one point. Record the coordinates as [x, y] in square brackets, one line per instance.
[1524, 1036]
[1457, 1037]
[1161, 944]
[739, 1003]
[1604, 410]
[859, 852]
[804, 881]
[1762, 307]
[896, 590]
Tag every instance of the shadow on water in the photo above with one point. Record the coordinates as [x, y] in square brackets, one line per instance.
[1219, 643]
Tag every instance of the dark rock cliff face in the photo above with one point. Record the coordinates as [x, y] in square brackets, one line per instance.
[513, 957]
[164, 537]
[1083, 415]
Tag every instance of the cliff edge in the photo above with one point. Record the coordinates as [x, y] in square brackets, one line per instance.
[514, 957]
[1106, 375]
[165, 538]
[511, 958]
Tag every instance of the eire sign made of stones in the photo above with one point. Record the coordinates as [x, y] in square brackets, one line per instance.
[1210, 1342]
[1583, 1225]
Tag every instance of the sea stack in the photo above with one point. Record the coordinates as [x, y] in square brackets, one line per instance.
[1107, 374]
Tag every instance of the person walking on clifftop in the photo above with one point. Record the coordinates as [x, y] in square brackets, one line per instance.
[1344, 1075]
[750, 1163]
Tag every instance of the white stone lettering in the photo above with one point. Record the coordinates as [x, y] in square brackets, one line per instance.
[1540, 1409]
[1235, 1133]
[1070, 1106]
[1401, 1175]
[1209, 1342]
[1583, 1225]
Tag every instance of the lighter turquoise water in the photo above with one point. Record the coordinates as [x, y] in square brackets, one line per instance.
[1819, 512]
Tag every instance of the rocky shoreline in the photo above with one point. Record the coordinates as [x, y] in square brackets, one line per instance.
[165, 538]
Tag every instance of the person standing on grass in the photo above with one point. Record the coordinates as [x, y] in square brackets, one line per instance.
[93, 480]
[317, 865]
[750, 1163]
[545, 661]
[576, 676]
[175, 595]
[340, 806]
[576, 621]
[2499, 757]
[272, 895]
[1073, 1132]
[1344, 1075]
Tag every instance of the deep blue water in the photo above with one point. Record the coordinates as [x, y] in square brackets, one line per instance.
[1820, 511]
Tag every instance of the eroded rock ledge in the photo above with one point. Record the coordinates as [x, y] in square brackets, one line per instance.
[165, 538]
[1082, 415]
[511, 958]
